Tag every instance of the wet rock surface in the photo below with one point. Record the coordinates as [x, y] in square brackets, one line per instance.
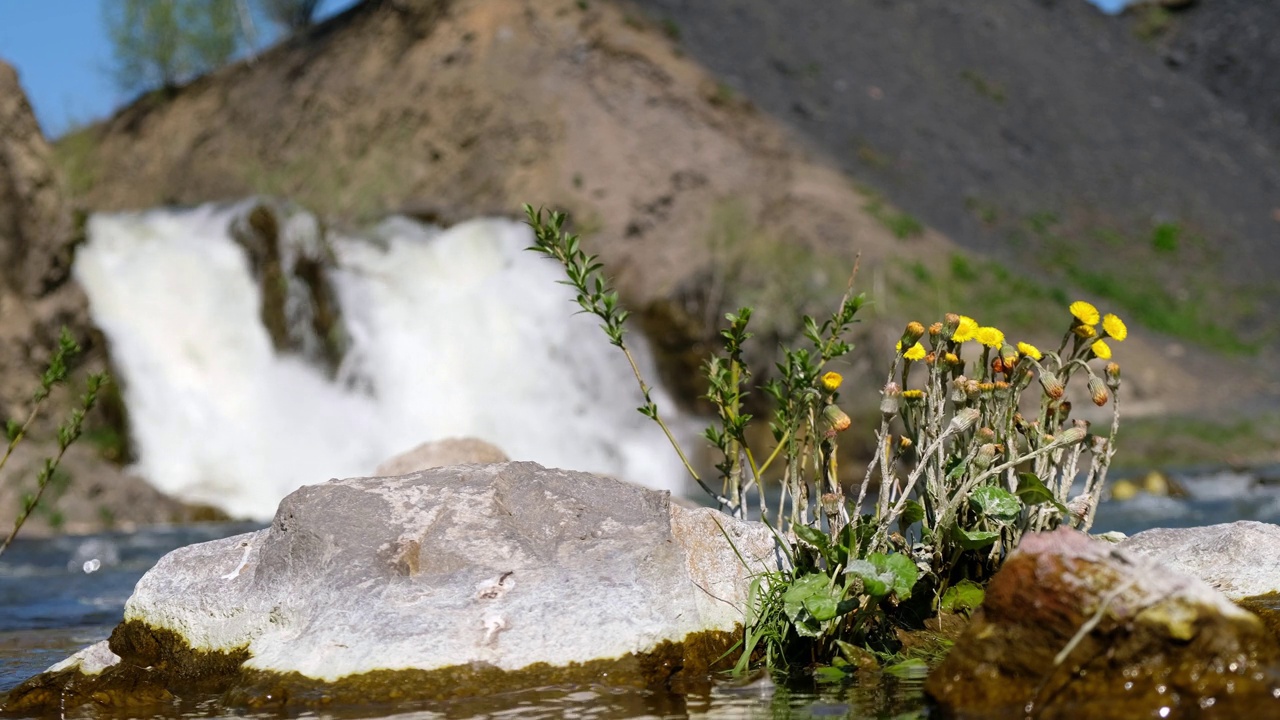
[445, 583]
[1076, 627]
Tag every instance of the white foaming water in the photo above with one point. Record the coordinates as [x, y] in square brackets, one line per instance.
[454, 333]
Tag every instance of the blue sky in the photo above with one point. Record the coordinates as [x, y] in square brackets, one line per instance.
[63, 57]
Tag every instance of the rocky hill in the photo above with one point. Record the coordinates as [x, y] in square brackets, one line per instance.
[1027, 131]
[1136, 158]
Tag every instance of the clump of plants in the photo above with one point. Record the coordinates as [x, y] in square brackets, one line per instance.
[976, 446]
[68, 432]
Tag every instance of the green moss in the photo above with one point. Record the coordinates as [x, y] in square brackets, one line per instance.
[158, 664]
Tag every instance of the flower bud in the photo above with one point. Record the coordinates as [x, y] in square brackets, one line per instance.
[1009, 354]
[1098, 390]
[1071, 435]
[1052, 385]
[986, 435]
[830, 504]
[835, 419]
[930, 359]
[987, 387]
[951, 321]
[1084, 332]
[997, 365]
[912, 334]
[1113, 375]
[986, 455]
[957, 389]
[905, 443]
[972, 388]
[963, 420]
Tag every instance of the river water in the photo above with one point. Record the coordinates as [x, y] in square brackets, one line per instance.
[50, 607]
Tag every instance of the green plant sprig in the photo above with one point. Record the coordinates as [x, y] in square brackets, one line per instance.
[595, 296]
[68, 432]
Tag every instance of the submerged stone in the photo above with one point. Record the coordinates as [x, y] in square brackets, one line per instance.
[445, 583]
[1073, 627]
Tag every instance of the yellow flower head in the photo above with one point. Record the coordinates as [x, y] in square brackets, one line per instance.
[831, 381]
[989, 336]
[913, 394]
[1029, 350]
[1084, 332]
[1114, 327]
[1084, 312]
[966, 330]
[915, 353]
[1101, 349]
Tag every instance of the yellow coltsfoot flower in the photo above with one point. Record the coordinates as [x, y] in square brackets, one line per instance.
[1101, 350]
[966, 329]
[989, 336]
[1029, 350]
[1114, 327]
[831, 381]
[1084, 312]
[916, 352]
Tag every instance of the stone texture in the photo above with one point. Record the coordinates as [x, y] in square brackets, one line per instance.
[442, 453]
[381, 587]
[1241, 559]
[1155, 639]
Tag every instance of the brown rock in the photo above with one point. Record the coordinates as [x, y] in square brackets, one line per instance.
[1152, 638]
[442, 453]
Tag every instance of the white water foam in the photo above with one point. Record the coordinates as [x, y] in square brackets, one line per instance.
[454, 333]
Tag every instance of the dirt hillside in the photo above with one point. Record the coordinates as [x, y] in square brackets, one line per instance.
[696, 198]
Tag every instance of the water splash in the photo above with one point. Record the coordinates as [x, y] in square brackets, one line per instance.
[451, 333]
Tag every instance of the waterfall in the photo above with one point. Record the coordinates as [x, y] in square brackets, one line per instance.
[448, 333]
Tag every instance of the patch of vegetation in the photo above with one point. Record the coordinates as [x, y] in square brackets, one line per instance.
[1153, 22]
[903, 225]
[987, 213]
[1164, 238]
[986, 88]
[75, 155]
[963, 474]
[671, 29]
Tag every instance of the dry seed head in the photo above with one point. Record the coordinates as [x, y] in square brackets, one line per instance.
[972, 388]
[1098, 390]
[986, 435]
[889, 400]
[957, 389]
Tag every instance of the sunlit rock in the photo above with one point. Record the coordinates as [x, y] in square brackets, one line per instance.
[444, 583]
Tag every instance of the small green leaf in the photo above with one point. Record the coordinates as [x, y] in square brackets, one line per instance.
[1033, 492]
[814, 537]
[826, 674]
[995, 503]
[909, 668]
[963, 597]
[872, 582]
[974, 539]
[902, 573]
[912, 513]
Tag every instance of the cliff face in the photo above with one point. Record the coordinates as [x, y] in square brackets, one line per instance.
[36, 238]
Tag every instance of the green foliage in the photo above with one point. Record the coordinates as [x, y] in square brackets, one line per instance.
[68, 432]
[902, 225]
[961, 473]
[160, 43]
